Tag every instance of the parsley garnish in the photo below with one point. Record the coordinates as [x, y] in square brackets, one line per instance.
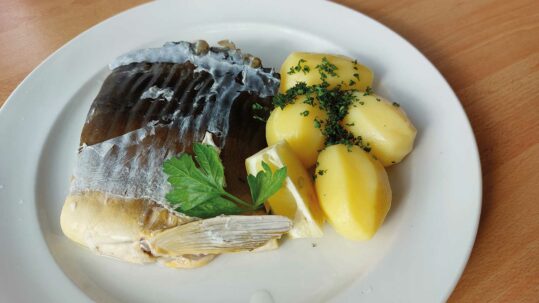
[265, 184]
[281, 100]
[304, 113]
[334, 101]
[257, 106]
[317, 123]
[396, 104]
[326, 68]
[368, 91]
[259, 112]
[199, 191]
[295, 69]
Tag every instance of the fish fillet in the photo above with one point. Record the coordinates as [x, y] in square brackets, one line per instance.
[155, 104]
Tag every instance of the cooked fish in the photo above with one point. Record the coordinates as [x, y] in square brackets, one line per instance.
[155, 104]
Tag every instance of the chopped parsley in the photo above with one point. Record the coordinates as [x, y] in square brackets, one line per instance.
[334, 101]
[296, 69]
[257, 106]
[368, 91]
[281, 100]
[304, 113]
[260, 112]
[326, 68]
[317, 123]
[396, 104]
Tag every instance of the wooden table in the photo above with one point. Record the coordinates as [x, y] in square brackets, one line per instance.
[487, 50]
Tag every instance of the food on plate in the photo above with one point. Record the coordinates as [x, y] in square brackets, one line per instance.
[158, 103]
[361, 133]
[302, 67]
[295, 123]
[296, 199]
[384, 125]
[160, 171]
[353, 191]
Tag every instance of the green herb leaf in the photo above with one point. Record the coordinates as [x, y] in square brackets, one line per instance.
[326, 68]
[190, 186]
[257, 106]
[199, 191]
[317, 123]
[368, 91]
[265, 184]
[298, 68]
[214, 207]
[208, 159]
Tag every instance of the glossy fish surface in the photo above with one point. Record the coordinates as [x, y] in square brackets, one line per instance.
[155, 104]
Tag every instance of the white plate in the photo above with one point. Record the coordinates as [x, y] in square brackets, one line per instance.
[417, 256]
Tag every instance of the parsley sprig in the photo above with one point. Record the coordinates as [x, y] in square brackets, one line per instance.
[199, 191]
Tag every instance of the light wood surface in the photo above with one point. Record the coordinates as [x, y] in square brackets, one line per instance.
[487, 50]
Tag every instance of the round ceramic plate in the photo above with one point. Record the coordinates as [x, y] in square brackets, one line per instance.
[417, 256]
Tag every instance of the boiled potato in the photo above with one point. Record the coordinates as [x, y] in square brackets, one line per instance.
[353, 191]
[295, 124]
[349, 73]
[384, 125]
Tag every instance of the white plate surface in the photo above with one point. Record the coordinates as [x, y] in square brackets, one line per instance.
[417, 256]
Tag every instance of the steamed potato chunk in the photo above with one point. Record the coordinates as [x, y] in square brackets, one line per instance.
[384, 125]
[295, 124]
[301, 67]
[353, 191]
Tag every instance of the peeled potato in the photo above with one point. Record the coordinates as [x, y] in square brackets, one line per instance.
[384, 125]
[295, 124]
[353, 191]
[349, 73]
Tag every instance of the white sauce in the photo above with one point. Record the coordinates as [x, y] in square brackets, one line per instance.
[155, 92]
